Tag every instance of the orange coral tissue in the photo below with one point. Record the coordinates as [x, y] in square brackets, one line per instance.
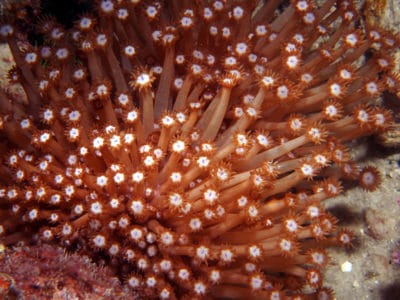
[191, 144]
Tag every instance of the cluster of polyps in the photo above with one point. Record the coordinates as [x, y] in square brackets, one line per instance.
[192, 145]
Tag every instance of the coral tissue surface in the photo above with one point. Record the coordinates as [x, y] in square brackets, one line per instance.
[190, 145]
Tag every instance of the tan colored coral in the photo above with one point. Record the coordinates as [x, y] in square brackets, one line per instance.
[192, 146]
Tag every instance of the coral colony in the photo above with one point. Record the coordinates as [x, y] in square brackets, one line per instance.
[191, 144]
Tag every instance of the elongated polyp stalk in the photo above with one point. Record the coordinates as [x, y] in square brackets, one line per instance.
[180, 102]
[161, 102]
[214, 115]
[271, 154]
[147, 106]
[244, 121]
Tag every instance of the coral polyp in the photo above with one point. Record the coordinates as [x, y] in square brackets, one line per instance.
[191, 145]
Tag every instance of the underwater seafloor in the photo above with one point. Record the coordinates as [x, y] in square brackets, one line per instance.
[371, 270]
